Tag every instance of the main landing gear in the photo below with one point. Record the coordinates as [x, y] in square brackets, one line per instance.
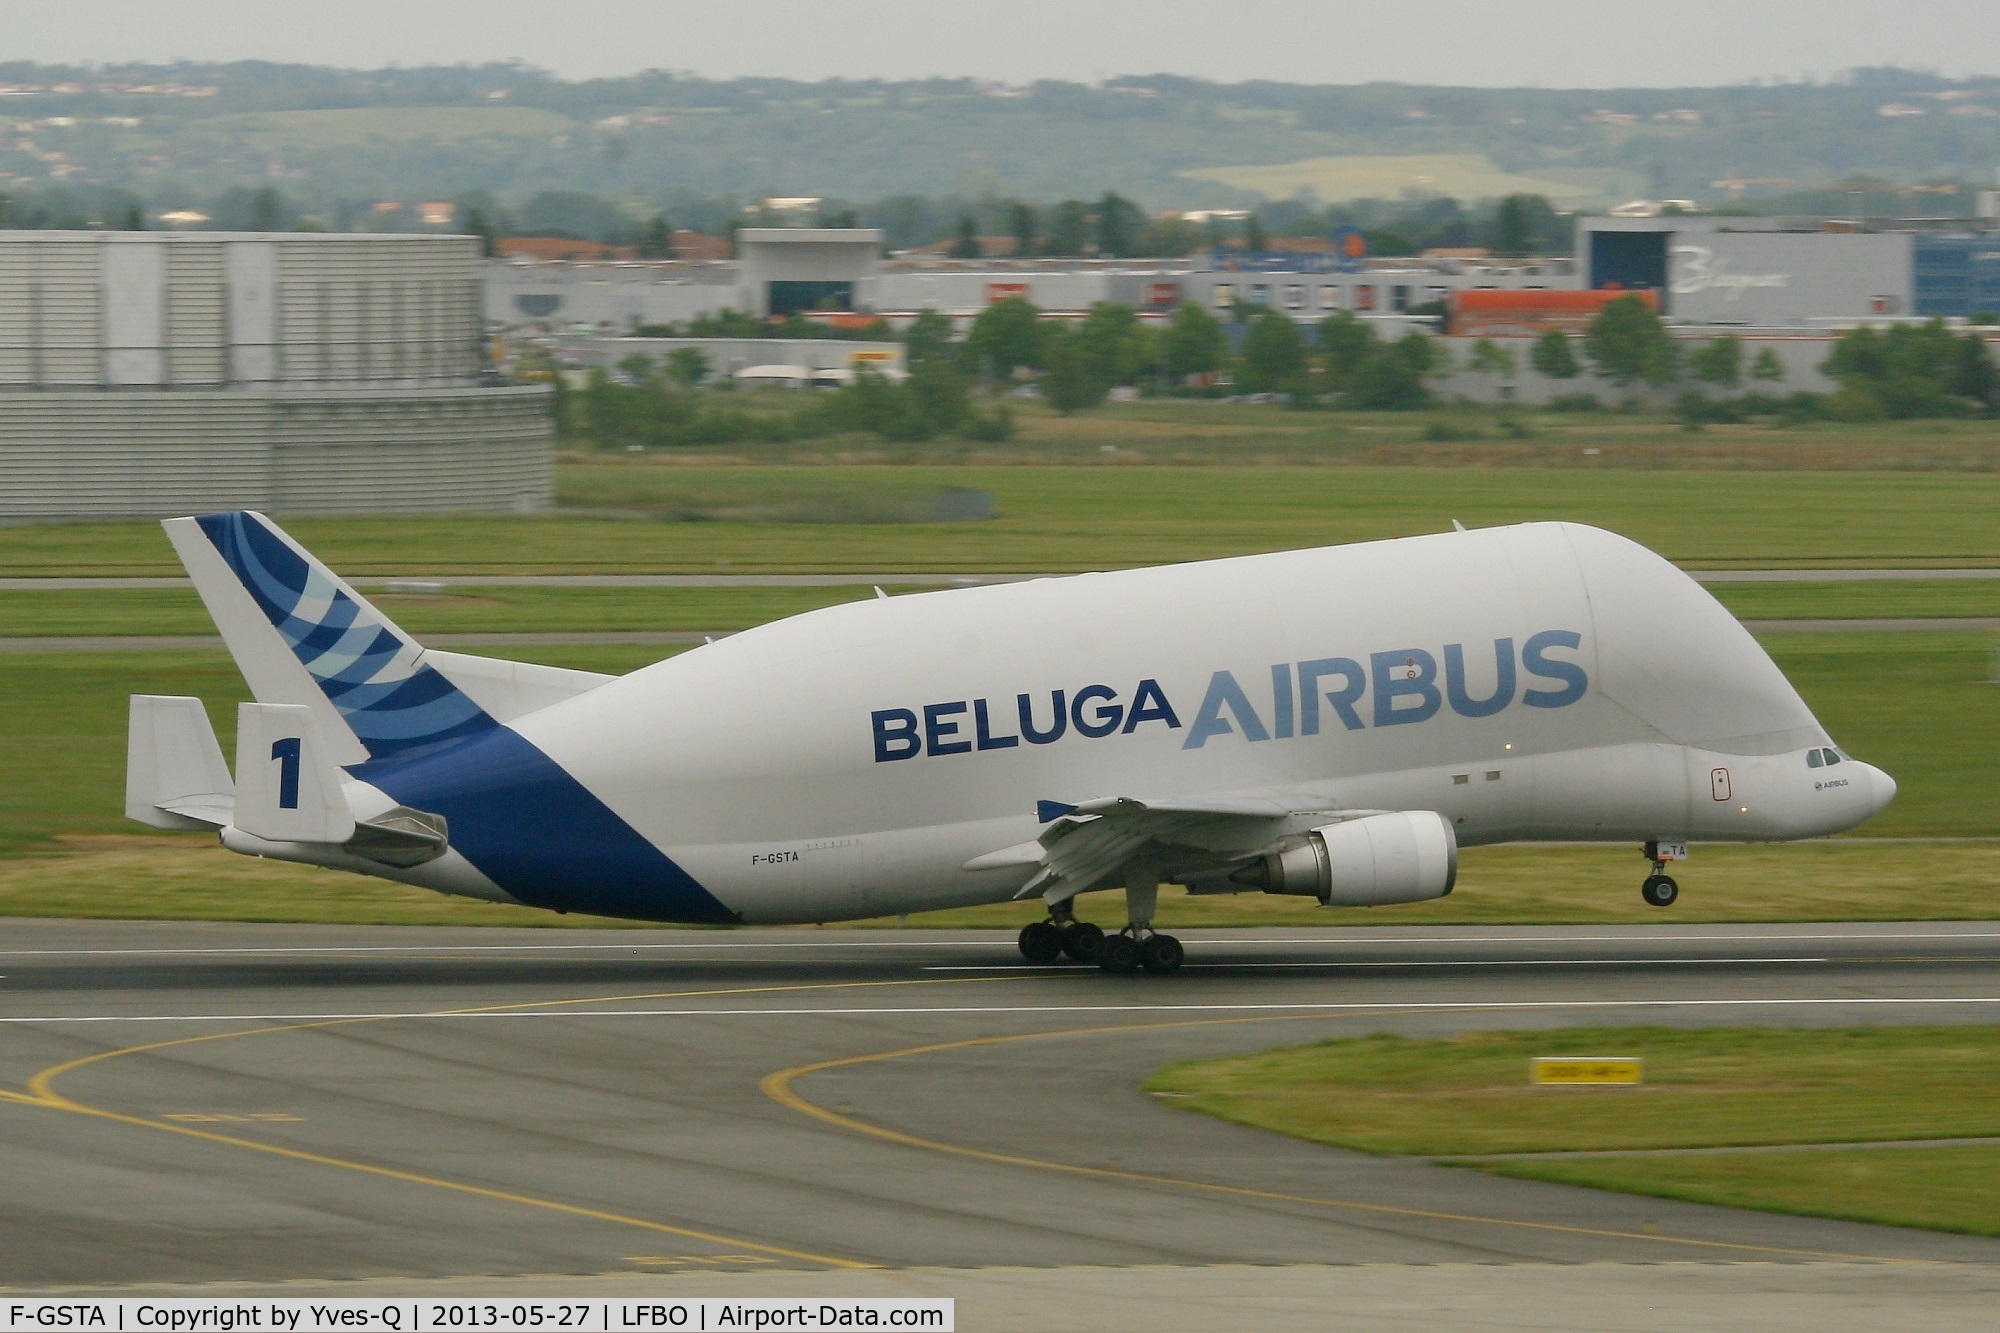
[1135, 947]
[1659, 888]
[1062, 935]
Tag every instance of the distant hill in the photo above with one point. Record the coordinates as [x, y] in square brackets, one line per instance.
[180, 134]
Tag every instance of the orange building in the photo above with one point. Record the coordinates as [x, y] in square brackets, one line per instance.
[1485, 312]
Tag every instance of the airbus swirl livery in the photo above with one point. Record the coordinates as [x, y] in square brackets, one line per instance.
[1332, 723]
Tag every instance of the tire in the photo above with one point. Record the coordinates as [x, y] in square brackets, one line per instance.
[1161, 954]
[1118, 953]
[1659, 890]
[1082, 940]
[1041, 942]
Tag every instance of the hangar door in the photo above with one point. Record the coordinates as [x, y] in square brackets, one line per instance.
[1634, 260]
[795, 298]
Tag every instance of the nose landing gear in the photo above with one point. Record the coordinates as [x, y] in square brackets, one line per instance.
[1659, 889]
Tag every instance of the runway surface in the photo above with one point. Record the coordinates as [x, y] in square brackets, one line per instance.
[198, 1103]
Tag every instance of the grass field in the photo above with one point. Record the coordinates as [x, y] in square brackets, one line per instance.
[473, 609]
[1705, 1088]
[187, 877]
[1071, 518]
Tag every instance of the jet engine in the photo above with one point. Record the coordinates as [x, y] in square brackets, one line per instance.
[1402, 857]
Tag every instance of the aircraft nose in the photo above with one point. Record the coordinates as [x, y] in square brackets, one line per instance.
[1882, 788]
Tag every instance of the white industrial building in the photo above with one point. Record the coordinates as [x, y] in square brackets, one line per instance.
[155, 373]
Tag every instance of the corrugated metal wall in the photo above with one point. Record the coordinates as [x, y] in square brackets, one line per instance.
[200, 309]
[153, 454]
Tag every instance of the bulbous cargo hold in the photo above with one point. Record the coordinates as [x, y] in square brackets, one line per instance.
[1335, 722]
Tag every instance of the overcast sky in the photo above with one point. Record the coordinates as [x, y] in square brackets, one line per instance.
[1547, 43]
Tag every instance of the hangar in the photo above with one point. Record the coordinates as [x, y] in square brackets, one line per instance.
[151, 373]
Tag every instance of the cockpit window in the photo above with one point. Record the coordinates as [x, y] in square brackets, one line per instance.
[1832, 757]
[1823, 757]
[1814, 758]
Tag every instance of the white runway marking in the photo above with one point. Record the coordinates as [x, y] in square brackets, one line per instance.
[1294, 941]
[1404, 1006]
[1394, 962]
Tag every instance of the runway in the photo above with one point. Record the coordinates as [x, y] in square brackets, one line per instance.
[195, 1103]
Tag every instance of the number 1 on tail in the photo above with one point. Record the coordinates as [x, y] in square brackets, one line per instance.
[286, 752]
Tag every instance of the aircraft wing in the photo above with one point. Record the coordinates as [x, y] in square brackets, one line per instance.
[1089, 844]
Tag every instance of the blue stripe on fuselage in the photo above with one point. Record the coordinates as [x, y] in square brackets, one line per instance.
[540, 834]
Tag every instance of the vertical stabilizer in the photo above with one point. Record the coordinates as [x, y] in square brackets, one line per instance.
[303, 637]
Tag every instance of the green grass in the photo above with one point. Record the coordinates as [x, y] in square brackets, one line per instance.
[476, 609]
[1069, 518]
[463, 610]
[187, 877]
[1705, 1088]
[1885, 598]
[1937, 1189]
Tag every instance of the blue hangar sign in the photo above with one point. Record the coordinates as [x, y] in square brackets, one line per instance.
[1408, 685]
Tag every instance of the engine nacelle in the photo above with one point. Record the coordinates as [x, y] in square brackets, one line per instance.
[1404, 857]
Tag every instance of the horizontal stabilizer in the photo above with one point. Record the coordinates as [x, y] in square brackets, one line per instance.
[175, 777]
[288, 789]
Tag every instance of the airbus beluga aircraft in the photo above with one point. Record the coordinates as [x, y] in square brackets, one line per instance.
[1331, 723]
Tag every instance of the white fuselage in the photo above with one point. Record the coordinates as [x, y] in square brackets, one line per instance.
[1545, 681]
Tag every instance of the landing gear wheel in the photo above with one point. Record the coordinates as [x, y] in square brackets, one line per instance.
[1041, 942]
[1118, 953]
[1659, 890]
[1161, 953]
[1081, 941]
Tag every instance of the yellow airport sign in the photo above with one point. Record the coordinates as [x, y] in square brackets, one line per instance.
[1571, 1070]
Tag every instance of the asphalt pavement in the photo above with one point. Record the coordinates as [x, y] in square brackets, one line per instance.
[196, 1103]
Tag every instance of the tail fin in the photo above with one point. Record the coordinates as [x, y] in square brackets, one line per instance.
[302, 636]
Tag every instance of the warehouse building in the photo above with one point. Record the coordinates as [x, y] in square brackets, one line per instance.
[1796, 272]
[144, 374]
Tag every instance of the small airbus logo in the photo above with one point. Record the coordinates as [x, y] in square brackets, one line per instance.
[1407, 685]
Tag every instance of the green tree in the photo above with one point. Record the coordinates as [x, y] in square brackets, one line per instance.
[1113, 346]
[928, 338]
[939, 396]
[687, 366]
[1524, 224]
[967, 244]
[1273, 358]
[1629, 345]
[1119, 224]
[1346, 343]
[1194, 343]
[1005, 336]
[134, 218]
[1490, 358]
[1911, 371]
[1719, 363]
[636, 367]
[656, 241]
[1067, 383]
[1393, 377]
[1254, 239]
[267, 210]
[1069, 229]
[477, 223]
[1022, 224]
[1170, 236]
[1552, 355]
[1766, 366]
